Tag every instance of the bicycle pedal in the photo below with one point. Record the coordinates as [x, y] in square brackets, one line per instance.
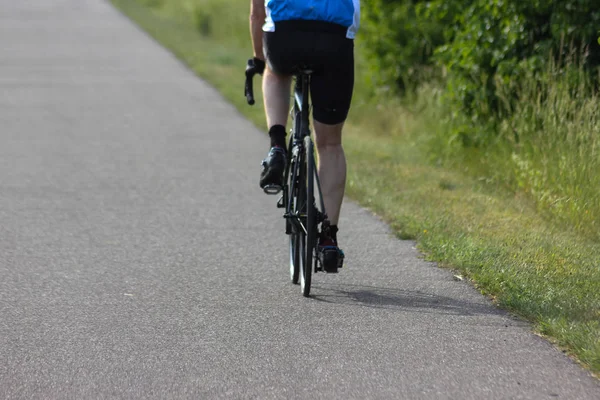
[272, 189]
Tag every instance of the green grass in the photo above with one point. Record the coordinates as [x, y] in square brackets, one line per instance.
[470, 220]
[547, 148]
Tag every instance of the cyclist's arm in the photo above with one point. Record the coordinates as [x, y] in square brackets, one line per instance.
[257, 19]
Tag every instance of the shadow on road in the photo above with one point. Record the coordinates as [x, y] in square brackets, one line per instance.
[399, 299]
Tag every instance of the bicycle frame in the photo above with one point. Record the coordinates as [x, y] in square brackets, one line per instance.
[301, 130]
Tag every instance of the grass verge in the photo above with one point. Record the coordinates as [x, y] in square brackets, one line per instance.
[528, 264]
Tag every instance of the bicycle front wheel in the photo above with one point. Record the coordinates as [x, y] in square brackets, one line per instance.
[311, 217]
[293, 207]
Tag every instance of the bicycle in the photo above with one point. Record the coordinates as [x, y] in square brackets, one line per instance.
[303, 214]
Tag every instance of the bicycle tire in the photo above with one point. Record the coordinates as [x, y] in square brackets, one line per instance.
[294, 258]
[292, 205]
[305, 271]
[294, 236]
[311, 217]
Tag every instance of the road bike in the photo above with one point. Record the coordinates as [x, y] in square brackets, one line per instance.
[301, 195]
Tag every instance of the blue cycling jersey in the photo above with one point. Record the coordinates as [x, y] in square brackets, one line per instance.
[341, 12]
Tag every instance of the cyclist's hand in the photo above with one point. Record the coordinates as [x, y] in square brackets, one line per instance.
[255, 66]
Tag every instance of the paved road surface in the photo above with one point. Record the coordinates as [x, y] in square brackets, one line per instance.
[138, 258]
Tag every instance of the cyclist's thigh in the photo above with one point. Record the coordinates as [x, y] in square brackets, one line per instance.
[332, 84]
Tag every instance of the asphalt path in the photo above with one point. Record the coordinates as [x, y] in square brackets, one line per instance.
[139, 259]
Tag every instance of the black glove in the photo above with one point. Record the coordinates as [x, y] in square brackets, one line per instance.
[255, 66]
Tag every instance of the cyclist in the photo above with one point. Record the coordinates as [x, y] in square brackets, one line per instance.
[288, 34]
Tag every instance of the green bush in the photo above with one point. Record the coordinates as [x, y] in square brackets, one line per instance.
[400, 41]
[502, 42]
[480, 45]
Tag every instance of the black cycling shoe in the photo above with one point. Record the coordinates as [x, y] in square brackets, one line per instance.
[330, 256]
[271, 177]
[331, 259]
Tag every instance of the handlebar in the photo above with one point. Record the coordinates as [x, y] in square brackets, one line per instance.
[253, 67]
[248, 89]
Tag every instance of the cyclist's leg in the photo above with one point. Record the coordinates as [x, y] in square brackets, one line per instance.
[331, 93]
[332, 175]
[276, 94]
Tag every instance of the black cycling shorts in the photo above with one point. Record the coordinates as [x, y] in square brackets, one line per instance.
[323, 48]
